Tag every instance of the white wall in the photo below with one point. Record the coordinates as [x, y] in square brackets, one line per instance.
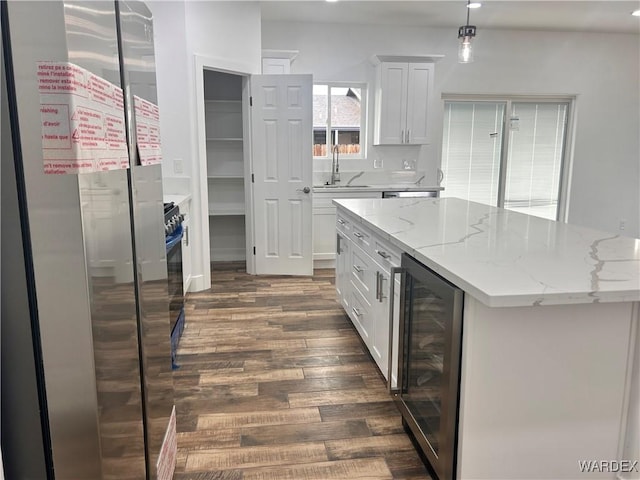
[227, 34]
[601, 69]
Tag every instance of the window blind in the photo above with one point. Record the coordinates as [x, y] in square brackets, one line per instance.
[536, 144]
[471, 146]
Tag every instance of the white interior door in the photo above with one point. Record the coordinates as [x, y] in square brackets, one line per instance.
[281, 135]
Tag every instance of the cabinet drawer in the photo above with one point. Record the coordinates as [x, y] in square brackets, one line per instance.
[385, 254]
[361, 314]
[361, 236]
[343, 224]
[362, 272]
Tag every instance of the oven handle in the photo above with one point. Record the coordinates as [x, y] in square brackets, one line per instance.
[171, 240]
[392, 288]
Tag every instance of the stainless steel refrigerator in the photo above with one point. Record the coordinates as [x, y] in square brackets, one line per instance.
[87, 388]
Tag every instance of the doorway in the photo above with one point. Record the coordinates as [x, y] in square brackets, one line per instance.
[225, 166]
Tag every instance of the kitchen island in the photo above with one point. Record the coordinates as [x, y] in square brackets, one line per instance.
[549, 326]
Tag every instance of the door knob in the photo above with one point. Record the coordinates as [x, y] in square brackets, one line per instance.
[304, 190]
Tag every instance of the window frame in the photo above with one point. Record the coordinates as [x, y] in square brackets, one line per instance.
[363, 119]
[567, 156]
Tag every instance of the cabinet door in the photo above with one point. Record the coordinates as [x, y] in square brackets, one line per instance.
[419, 91]
[391, 103]
[380, 342]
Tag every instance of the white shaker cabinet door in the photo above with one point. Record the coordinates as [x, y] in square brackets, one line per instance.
[391, 102]
[419, 92]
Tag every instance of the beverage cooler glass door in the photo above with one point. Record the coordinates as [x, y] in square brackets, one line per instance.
[430, 346]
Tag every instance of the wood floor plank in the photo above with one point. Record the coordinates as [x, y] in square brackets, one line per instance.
[332, 342]
[336, 397]
[251, 419]
[247, 457]
[222, 378]
[332, 371]
[358, 410]
[310, 385]
[219, 475]
[360, 469]
[301, 433]
[203, 439]
[368, 446]
[406, 465]
[252, 344]
[390, 425]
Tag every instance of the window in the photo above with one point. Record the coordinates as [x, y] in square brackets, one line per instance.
[515, 163]
[338, 119]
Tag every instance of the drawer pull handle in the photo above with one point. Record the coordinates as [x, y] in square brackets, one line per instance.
[357, 235]
[357, 268]
[341, 221]
[356, 312]
[383, 254]
[380, 294]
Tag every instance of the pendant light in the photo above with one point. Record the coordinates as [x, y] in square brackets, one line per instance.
[466, 33]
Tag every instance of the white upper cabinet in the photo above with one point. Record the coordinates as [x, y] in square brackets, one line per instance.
[404, 91]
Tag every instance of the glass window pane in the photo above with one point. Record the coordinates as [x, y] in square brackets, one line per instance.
[536, 146]
[320, 120]
[345, 119]
[471, 149]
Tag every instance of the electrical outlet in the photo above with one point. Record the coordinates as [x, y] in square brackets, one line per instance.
[409, 164]
[623, 223]
[178, 166]
[377, 163]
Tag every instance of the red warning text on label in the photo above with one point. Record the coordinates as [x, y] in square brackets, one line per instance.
[56, 126]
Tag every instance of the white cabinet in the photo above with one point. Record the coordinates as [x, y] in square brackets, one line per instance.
[324, 221]
[363, 275]
[404, 95]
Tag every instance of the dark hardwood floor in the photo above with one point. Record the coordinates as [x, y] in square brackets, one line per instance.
[274, 383]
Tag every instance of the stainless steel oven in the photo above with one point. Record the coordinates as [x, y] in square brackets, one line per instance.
[173, 242]
[429, 357]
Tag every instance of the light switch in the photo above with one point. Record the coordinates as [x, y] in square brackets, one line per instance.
[178, 166]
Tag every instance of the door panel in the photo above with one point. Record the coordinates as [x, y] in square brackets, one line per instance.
[281, 121]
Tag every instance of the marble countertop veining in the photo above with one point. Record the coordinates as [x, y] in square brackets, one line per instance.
[376, 188]
[504, 258]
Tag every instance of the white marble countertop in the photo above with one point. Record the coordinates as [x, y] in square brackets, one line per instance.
[504, 258]
[377, 188]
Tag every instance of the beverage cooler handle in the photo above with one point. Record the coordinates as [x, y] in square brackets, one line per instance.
[392, 288]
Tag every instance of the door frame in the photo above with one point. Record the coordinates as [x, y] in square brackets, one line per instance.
[199, 179]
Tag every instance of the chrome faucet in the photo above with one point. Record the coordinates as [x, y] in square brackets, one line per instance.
[335, 166]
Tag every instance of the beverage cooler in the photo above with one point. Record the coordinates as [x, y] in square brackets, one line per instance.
[429, 363]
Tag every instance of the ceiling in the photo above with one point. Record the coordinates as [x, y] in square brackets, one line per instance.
[551, 15]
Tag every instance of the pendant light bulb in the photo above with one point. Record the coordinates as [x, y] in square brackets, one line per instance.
[466, 34]
[465, 50]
